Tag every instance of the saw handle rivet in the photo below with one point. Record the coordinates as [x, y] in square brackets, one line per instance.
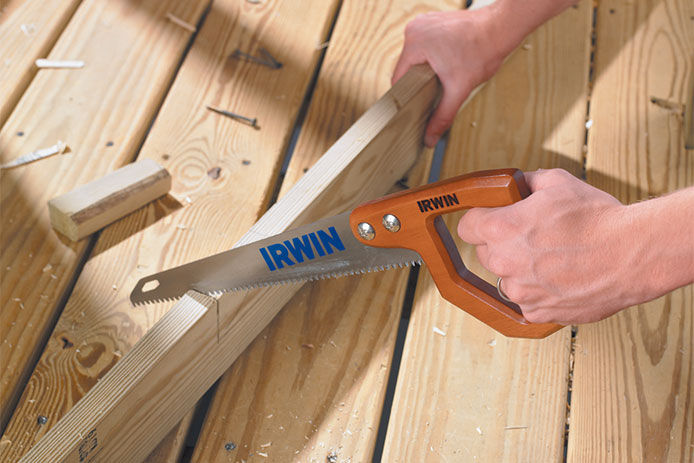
[366, 231]
[391, 223]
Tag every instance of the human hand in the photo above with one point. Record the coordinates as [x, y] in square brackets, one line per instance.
[464, 48]
[564, 253]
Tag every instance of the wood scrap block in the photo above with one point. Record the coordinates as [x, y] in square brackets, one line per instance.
[91, 207]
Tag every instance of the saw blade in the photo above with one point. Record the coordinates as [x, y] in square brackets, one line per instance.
[324, 249]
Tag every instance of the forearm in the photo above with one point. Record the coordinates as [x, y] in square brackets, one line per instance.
[662, 236]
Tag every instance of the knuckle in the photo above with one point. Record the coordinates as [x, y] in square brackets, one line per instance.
[554, 176]
[500, 229]
[499, 264]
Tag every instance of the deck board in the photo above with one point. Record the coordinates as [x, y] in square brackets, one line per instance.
[633, 386]
[204, 214]
[313, 383]
[28, 30]
[131, 55]
[465, 392]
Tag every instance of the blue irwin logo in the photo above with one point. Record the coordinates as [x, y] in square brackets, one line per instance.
[305, 247]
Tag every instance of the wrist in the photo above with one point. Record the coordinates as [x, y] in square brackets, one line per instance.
[660, 237]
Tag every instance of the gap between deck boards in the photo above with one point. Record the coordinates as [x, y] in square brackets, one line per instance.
[205, 402]
[92, 240]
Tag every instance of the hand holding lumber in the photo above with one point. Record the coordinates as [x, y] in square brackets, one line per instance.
[466, 47]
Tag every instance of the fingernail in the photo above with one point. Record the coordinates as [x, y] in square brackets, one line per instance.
[430, 140]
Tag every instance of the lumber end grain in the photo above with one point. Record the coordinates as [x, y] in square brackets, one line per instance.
[96, 204]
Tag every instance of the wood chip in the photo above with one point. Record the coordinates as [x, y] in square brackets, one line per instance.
[28, 29]
[59, 148]
[439, 331]
[179, 22]
[58, 64]
[262, 454]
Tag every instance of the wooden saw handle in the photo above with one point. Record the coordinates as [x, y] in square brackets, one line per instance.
[421, 229]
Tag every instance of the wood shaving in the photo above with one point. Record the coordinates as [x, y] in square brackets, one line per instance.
[262, 454]
[47, 268]
[268, 444]
[179, 22]
[516, 427]
[28, 29]
[42, 63]
[59, 148]
[439, 331]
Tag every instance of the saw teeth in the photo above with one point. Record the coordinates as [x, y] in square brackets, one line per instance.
[265, 284]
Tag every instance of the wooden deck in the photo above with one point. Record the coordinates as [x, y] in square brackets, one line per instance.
[366, 368]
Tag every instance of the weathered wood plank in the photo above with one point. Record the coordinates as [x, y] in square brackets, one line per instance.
[131, 55]
[191, 147]
[313, 382]
[191, 346]
[28, 30]
[633, 383]
[465, 392]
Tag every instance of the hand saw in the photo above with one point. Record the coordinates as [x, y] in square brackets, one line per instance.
[394, 231]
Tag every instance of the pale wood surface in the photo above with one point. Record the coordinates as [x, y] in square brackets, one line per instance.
[313, 381]
[28, 30]
[189, 141]
[465, 392]
[131, 54]
[633, 386]
[92, 206]
[189, 348]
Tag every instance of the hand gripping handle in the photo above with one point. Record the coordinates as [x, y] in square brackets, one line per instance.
[416, 224]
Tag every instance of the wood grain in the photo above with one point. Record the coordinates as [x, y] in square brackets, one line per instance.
[98, 322]
[313, 381]
[633, 387]
[465, 392]
[28, 30]
[131, 54]
[191, 346]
